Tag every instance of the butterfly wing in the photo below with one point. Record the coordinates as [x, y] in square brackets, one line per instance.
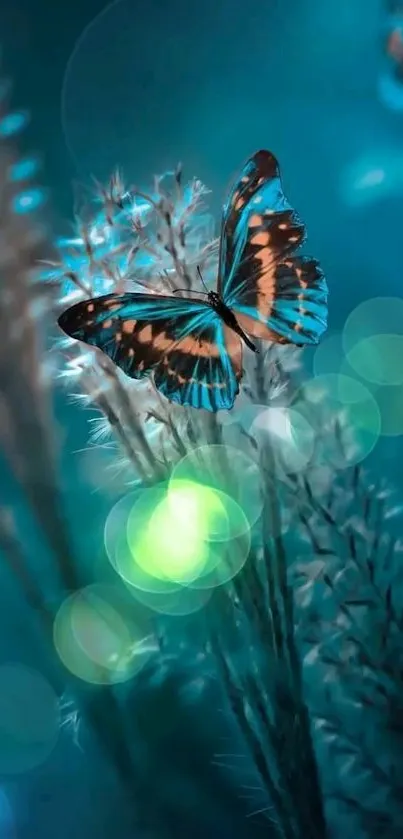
[192, 354]
[203, 369]
[276, 296]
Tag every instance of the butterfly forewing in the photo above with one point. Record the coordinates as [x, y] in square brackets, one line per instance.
[275, 296]
[182, 341]
[256, 204]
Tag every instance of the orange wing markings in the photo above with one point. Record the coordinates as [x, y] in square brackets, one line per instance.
[262, 238]
[197, 347]
[255, 220]
[258, 329]
[192, 380]
[187, 345]
[128, 326]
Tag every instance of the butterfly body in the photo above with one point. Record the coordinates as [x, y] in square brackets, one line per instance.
[226, 314]
[192, 347]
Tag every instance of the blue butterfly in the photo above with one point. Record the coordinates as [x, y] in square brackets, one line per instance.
[192, 347]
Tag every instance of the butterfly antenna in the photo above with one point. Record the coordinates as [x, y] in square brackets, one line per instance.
[192, 291]
[201, 278]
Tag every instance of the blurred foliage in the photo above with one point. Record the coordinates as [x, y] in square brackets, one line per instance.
[281, 701]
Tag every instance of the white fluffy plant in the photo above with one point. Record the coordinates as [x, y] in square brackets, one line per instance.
[127, 240]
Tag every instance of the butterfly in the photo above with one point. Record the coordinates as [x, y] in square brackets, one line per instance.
[192, 347]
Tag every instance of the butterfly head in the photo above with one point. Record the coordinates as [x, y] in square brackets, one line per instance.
[214, 299]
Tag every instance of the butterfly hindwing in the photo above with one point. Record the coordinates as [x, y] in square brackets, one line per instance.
[275, 296]
[295, 309]
[204, 370]
[182, 341]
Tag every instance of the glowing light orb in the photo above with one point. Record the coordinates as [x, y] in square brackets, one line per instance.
[184, 601]
[168, 536]
[228, 470]
[166, 550]
[373, 177]
[376, 316]
[390, 403]
[28, 201]
[119, 552]
[390, 91]
[173, 543]
[214, 514]
[29, 719]
[98, 628]
[378, 359]
[375, 358]
[23, 169]
[389, 399]
[276, 421]
[373, 340]
[157, 547]
[134, 576]
[12, 123]
[244, 412]
[99, 639]
[292, 437]
[342, 394]
[329, 355]
[116, 523]
[227, 558]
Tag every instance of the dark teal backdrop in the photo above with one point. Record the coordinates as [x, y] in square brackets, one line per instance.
[151, 83]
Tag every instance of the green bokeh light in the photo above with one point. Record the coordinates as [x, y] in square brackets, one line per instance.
[184, 601]
[98, 628]
[373, 317]
[166, 532]
[329, 355]
[132, 574]
[171, 544]
[116, 523]
[378, 359]
[374, 358]
[206, 520]
[293, 437]
[218, 516]
[339, 393]
[233, 473]
[227, 560]
[390, 402]
[196, 507]
[99, 639]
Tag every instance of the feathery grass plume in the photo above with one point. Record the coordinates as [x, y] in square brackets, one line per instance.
[351, 621]
[266, 694]
[263, 641]
[132, 241]
[141, 241]
[28, 432]
[162, 246]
